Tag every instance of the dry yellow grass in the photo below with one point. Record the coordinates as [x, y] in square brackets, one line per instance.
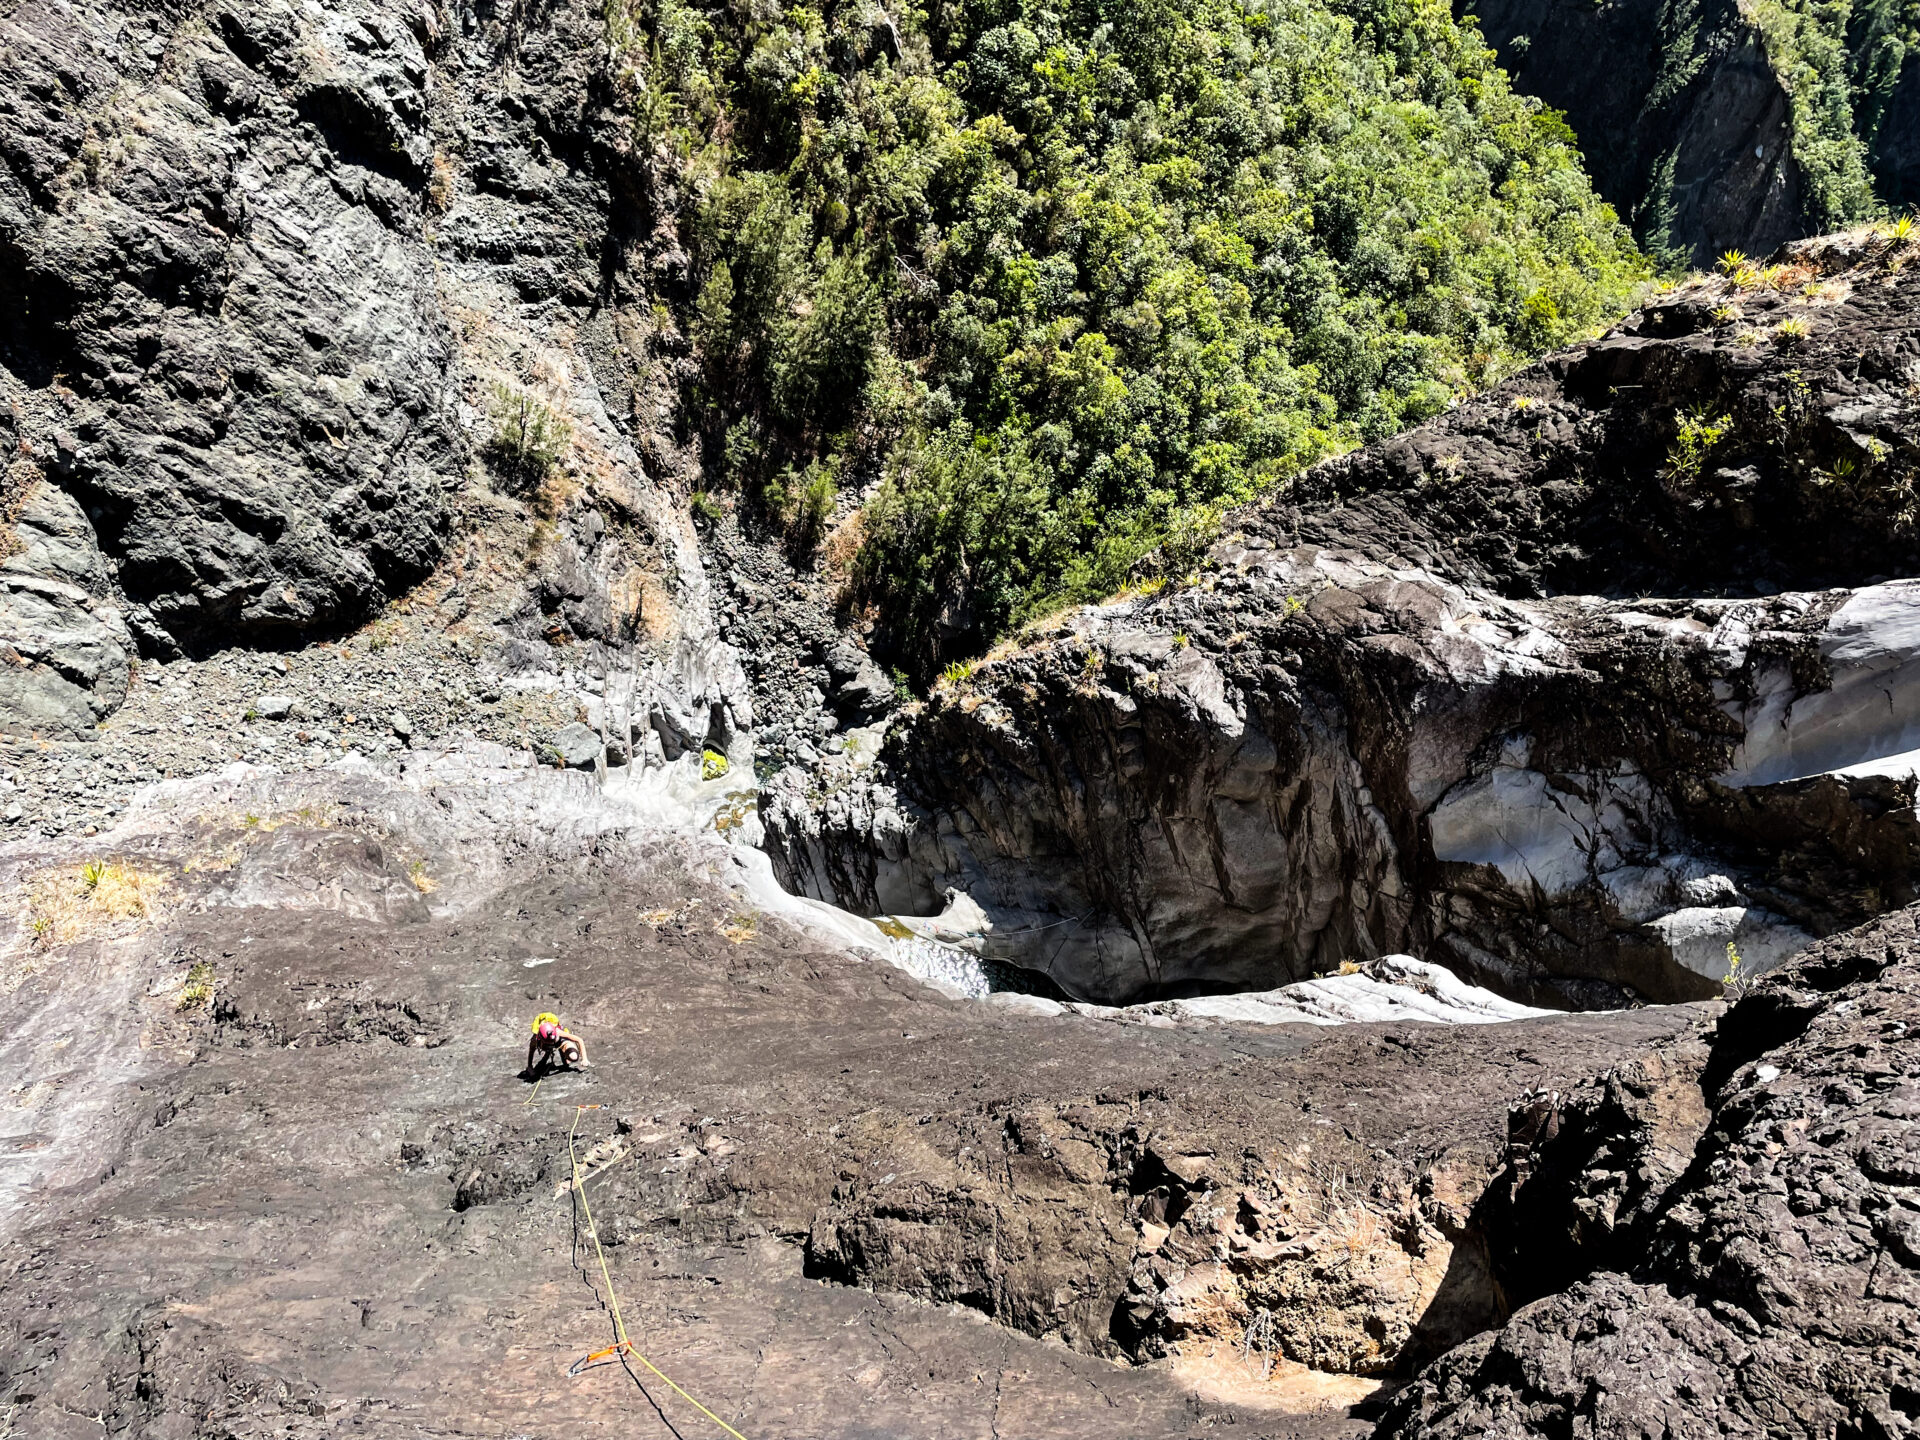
[840, 548]
[197, 990]
[82, 900]
[669, 915]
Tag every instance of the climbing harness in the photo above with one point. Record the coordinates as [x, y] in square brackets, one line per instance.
[621, 1344]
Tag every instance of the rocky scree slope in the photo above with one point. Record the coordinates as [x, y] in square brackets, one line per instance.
[1396, 710]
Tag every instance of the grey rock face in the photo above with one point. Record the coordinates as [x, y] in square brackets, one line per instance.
[1398, 763]
[579, 748]
[65, 653]
[1771, 1288]
[209, 229]
[56, 540]
[1394, 717]
[230, 243]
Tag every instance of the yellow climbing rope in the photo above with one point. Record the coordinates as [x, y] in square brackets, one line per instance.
[621, 1343]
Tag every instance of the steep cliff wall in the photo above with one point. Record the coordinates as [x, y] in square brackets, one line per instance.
[273, 278]
[1896, 150]
[1685, 126]
[1714, 125]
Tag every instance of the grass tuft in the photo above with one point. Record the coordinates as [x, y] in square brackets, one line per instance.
[198, 990]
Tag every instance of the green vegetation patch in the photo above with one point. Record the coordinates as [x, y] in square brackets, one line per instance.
[1806, 45]
[1882, 38]
[1049, 285]
[198, 989]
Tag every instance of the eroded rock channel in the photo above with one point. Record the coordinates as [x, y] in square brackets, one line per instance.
[269, 1171]
[1573, 689]
[315, 1199]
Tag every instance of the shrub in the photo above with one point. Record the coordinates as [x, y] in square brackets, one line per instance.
[1733, 984]
[198, 990]
[528, 439]
[1843, 471]
[803, 503]
[1694, 437]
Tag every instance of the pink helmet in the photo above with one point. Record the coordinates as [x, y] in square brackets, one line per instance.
[548, 1030]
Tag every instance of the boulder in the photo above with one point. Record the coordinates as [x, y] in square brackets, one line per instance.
[579, 747]
[862, 691]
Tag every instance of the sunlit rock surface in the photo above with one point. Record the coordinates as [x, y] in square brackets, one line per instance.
[1510, 692]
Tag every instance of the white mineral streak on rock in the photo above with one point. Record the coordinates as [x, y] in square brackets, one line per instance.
[1868, 722]
[1554, 835]
[1394, 987]
[961, 924]
[1645, 892]
[1551, 834]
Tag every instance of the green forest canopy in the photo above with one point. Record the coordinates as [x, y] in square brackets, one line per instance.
[1067, 279]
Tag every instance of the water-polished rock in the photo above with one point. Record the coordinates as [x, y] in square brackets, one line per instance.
[1519, 691]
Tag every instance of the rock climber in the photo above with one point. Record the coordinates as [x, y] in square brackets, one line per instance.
[552, 1041]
